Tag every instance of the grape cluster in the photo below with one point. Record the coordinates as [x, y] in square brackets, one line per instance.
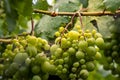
[74, 53]
[112, 52]
[25, 59]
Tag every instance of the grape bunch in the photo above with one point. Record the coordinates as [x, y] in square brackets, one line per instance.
[74, 53]
[112, 51]
[25, 58]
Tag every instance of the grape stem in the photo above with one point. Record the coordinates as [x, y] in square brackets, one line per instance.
[100, 13]
[32, 26]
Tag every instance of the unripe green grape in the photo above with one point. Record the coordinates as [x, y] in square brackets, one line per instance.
[65, 54]
[46, 47]
[114, 42]
[47, 67]
[9, 46]
[98, 56]
[66, 66]
[91, 41]
[31, 40]
[74, 69]
[58, 72]
[82, 61]
[64, 70]
[71, 51]
[73, 35]
[20, 58]
[66, 59]
[90, 66]
[61, 29]
[115, 54]
[82, 45]
[94, 31]
[100, 42]
[71, 76]
[36, 77]
[97, 35]
[24, 71]
[84, 74]
[27, 61]
[53, 48]
[40, 58]
[108, 45]
[76, 64]
[58, 52]
[31, 50]
[80, 55]
[35, 69]
[59, 67]
[91, 51]
[1, 67]
[115, 48]
[57, 34]
[63, 43]
[83, 66]
[61, 61]
[109, 59]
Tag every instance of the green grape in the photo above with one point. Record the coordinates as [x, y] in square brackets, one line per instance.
[61, 29]
[71, 51]
[66, 59]
[97, 35]
[84, 74]
[61, 61]
[91, 51]
[98, 56]
[73, 35]
[47, 67]
[31, 40]
[46, 47]
[58, 52]
[71, 76]
[66, 66]
[91, 41]
[31, 50]
[76, 64]
[83, 45]
[57, 34]
[83, 66]
[80, 55]
[27, 61]
[53, 48]
[40, 58]
[65, 54]
[35, 69]
[9, 46]
[64, 70]
[59, 67]
[1, 67]
[63, 43]
[100, 42]
[74, 69]
[90, 66]
[82, 61]
[115, 54]
[36, 77]
[24, 71]
[20, 58]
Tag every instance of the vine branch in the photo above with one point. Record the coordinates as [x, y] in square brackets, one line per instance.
[100, 13]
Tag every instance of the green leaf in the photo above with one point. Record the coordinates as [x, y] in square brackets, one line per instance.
[84, 3]
[67, 5]
[41, 4]
[112, 5]
[47, 26]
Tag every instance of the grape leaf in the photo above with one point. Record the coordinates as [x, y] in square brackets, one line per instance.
[112, 5]
[48, 25]
[67, 5]
[84, 3]
[41, 4]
